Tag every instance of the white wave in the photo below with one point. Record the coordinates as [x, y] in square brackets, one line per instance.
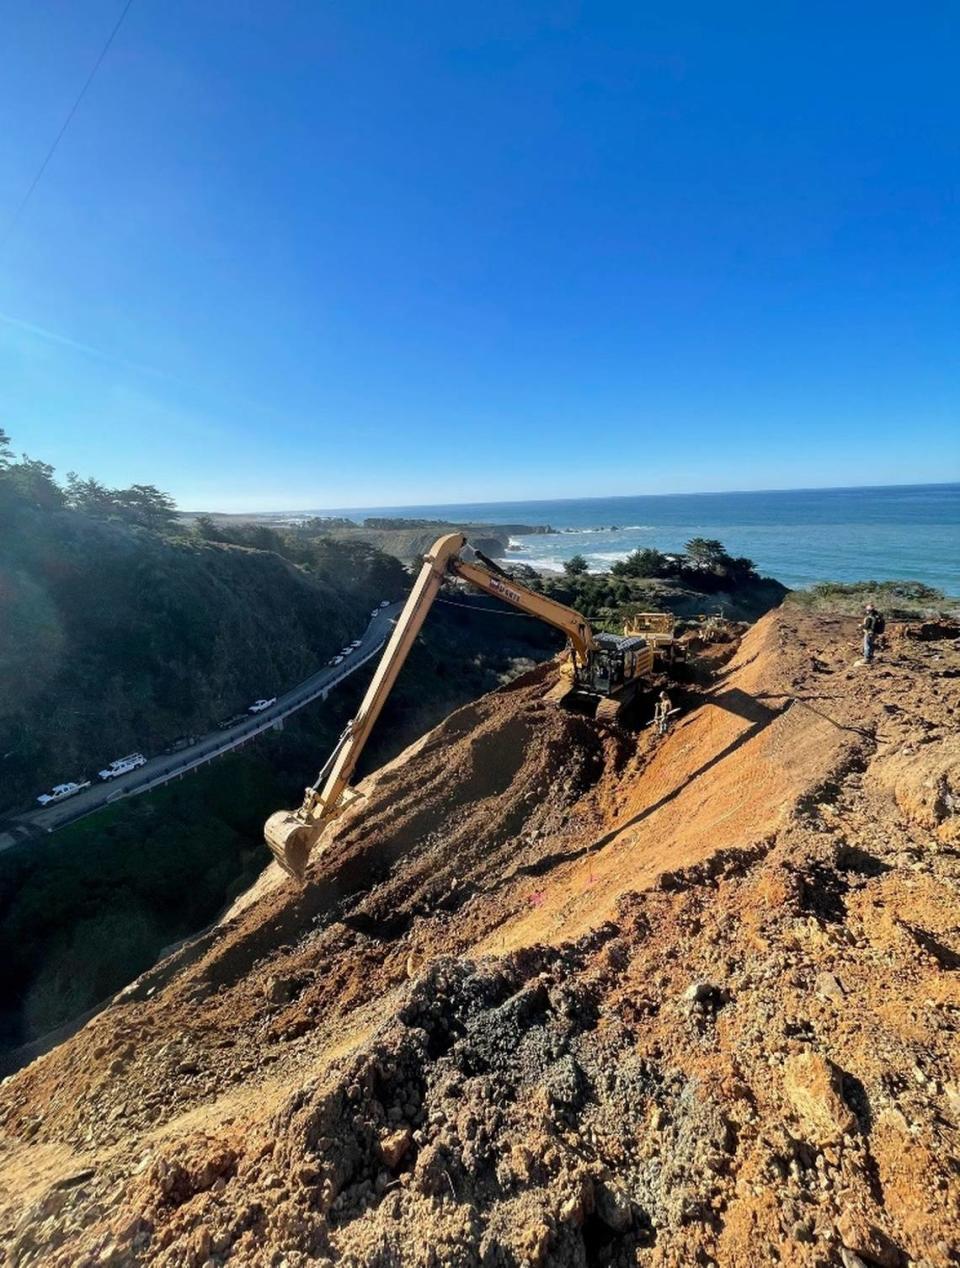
[552, 565]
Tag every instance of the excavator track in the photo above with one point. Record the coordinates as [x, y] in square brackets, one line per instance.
[609, 709]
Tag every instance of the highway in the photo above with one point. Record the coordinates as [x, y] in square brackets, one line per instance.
[31, 825]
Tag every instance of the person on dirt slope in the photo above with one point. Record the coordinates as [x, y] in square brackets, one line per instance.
[661, 712]
[873, 627]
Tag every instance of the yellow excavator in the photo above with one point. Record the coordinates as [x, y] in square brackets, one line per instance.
[600, 675]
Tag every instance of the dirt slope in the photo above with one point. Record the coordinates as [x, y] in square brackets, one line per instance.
[558, 994]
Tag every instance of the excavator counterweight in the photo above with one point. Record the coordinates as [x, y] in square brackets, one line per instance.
[602, 670]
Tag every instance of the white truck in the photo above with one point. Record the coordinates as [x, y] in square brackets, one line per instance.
[258, 706]
[122, 766]
[60, 792]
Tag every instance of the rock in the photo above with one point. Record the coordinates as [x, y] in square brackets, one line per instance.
[394, 1147]
[850, 1260]
[827, 987]
[866, 1243]
[278, 990]
[75, 1178]
[614, 1207]
[703, 996]
[812, 1086]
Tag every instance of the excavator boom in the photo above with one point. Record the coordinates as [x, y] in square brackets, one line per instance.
[291, 835]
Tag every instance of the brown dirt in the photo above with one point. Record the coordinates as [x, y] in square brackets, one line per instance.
[557, 994]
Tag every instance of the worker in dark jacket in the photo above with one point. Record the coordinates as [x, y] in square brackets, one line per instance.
[873, 627]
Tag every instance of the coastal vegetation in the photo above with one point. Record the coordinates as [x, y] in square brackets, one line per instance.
[122, 630]
[900, 600]
[702, 577]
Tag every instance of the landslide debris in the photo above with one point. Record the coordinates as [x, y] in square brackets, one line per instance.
[557, 994]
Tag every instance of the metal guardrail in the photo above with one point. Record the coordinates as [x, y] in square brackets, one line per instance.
[264, 722]
[249, 732]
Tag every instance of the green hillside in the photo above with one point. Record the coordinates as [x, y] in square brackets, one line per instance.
[118, 635]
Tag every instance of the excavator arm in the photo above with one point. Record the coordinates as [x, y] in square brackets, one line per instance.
[503, 587]
[292, 835]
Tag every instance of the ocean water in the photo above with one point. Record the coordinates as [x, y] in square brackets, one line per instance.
[800, 536]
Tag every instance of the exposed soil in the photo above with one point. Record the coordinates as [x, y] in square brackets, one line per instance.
[558, 993]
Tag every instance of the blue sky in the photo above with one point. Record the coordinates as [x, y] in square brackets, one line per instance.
[346, 254]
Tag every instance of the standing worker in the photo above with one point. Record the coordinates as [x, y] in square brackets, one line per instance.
[873, 627]
[661, 712]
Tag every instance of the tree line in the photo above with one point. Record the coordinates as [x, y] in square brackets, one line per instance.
[30, 482]
[703, 562]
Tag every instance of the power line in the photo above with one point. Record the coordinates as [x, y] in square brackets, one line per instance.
[479, 607]
[14, 219]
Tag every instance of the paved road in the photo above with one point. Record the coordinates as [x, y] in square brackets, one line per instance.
[21, 829]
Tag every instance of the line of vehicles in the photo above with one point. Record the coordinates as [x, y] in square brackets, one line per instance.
[350, 648]
[132, 761]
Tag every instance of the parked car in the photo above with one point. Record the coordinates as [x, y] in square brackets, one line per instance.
[384, 603]
[123, 766]
[258, 706]
[346, 651]
[375, 611]
[60, 792]
[356, 642]
[336, 660]
[229, 722]
[183, 742]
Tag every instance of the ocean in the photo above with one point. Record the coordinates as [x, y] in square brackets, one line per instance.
[800, 536]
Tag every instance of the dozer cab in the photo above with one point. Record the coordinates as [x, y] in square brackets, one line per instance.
[600, 675]
[659, 629]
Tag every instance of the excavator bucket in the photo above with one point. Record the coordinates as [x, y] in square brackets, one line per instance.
[290, 841]
[292, 836]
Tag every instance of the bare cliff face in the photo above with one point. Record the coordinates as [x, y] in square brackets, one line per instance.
[558, 994]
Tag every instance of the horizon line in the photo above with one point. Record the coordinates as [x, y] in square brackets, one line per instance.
[592, 497]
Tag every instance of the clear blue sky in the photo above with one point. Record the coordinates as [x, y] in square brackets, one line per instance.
[357, 253]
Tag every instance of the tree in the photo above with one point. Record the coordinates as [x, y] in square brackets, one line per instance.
[577, 566]
[146, 505]
[741, 569]
[89, 496]
[705, 552]
[6, 452]
[642, 563]
[207, 529]
[31, 481]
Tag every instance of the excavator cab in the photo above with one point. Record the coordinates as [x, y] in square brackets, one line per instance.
[617, 660]
[608, 682]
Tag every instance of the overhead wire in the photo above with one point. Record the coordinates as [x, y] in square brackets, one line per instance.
[18, 212]
[480, 607]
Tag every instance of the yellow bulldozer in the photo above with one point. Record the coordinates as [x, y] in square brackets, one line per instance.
[600, 675]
